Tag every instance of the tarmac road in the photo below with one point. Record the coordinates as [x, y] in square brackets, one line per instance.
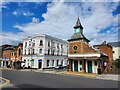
[29, 79]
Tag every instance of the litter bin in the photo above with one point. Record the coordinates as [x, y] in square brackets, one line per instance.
[28, 67]
[99, 71]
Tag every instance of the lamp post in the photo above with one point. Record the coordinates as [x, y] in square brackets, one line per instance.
[31, 53]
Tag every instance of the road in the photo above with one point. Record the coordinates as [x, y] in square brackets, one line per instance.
[29, 79]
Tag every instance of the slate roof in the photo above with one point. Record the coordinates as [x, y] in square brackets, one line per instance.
[78, 36]
[114, 44]
[78, 24]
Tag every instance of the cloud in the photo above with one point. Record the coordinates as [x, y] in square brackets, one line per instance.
[15, 13]
[3, 5]
[22, 12]
[35, 20]
[60, 0]
[61, 17]
[27, 13]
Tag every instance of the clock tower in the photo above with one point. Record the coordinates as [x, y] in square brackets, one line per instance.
[76, 46]
[78, 32]
[82, 56]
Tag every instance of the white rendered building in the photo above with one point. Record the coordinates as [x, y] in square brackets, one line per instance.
[44, 51]
[116, 49]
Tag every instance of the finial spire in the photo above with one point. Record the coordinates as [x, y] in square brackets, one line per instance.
[78, 24]
[78, 15]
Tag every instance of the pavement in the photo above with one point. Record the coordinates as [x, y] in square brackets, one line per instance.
[114, 77]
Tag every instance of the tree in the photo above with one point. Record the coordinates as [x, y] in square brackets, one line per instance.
[117, 63]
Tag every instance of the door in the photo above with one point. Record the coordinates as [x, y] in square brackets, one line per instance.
[39, 64]
[89, 66]
[76, 65]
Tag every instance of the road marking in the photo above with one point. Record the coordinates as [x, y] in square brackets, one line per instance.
[5, 83]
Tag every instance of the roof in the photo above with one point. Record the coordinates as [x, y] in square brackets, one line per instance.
[114, 44]
[46, 36]
[78, 36]
[78, 24]
[104, 43]
[20, 44]
[10, 48]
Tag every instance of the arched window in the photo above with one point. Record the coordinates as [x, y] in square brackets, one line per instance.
[52, 62]
[40, 50]
[48, 51]
[41, 42]
[48, 61]
[62, 62]
[32, 62]
[25, 52]
[53, 52]
[24, 61]
[57, 62]
[33, 51]
[29, 51]
[19, 52]
[48, 43]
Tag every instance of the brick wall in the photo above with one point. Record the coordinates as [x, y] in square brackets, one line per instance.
[7, 54]
[107, 50]
[19, 57]
[82, 47]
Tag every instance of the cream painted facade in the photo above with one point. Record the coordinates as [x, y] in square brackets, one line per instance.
[87, 58]
[51, 53]
[94, 67]
[116, 53]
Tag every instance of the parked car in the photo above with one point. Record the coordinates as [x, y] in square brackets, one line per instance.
[60, 67]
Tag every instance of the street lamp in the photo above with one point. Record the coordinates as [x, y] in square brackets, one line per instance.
[31, 53]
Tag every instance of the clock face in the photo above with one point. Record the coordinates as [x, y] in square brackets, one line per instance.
[77, 30]
[75, 48]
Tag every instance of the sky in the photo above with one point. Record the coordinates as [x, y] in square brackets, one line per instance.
[57, 18]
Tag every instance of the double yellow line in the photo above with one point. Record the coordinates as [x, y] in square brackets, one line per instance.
[5, 83]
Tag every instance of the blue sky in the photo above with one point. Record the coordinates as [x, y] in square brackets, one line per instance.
[21, 13]
[23, 19]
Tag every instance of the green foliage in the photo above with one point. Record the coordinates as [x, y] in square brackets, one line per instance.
[117, 63]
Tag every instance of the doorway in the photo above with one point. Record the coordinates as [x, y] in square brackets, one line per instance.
[39, 64]
[76, 65]
[89, 64]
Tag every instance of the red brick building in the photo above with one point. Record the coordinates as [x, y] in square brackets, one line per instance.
[107, 49]
[83, 57]
[6, 56]
[16, 56]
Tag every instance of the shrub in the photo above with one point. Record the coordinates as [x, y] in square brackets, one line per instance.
[117, 63]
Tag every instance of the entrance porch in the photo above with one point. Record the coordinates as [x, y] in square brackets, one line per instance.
[84, 65]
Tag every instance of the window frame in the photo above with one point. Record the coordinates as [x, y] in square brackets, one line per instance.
[40, 50]
[41, 42]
